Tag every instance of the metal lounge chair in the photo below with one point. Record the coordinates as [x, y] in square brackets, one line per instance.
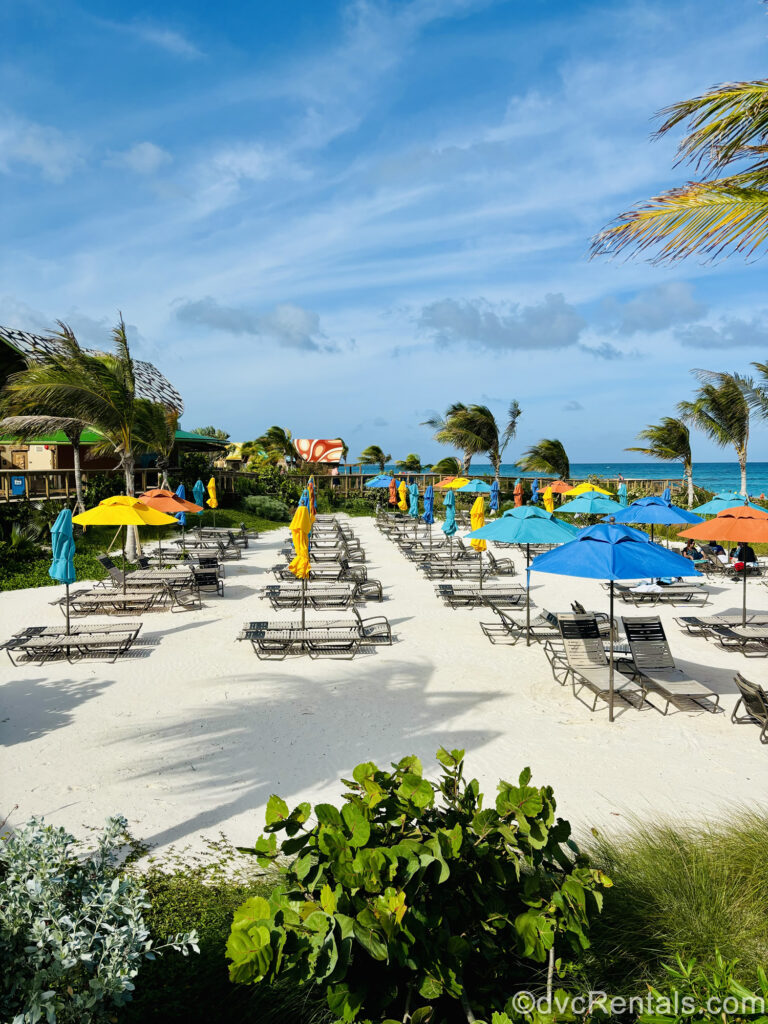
[469, 594]
[207, 580]
[754, 700]
[751, 640]
[499, 566]
[658, 674]
[44, 643]
[675, 593]
[509, 630]
[702, 625]
[583, 660]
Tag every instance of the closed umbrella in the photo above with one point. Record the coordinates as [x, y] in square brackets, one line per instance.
[449, 526]
[535, 491]
[413, 509]
[518, 494]
[428, 514]
[63, 547]
[477, 519]
[623, 500]
[392, 492]
[527, 525]
[743, 524]
[312, 499]
[666, 495]
[610, 551]
[494, 505]
[212, 501]
[299, 566]
[402, 491]
[655, 512]
[123, 510]
[182, 515]
[549, 500]
[198, 492]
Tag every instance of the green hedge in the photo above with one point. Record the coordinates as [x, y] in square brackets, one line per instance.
[267, 507]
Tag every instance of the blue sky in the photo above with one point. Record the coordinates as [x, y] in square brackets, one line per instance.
[341, 216]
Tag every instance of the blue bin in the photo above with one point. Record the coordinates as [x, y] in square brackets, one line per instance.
[17, 486]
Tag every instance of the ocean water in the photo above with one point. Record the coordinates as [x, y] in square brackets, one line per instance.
[714, 476]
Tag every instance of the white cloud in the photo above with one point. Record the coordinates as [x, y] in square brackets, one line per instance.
[23, 142]
[162, 36]
[551, 324]
[653, 309]
[142, 158]
[288, 325]
[728, 332]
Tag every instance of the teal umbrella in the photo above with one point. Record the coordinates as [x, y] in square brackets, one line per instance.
[63, 546]
[475, 487]
[199, 492]
[449, 526]
[722, 501]
[591, 503]
[528, 524]
[413, 491]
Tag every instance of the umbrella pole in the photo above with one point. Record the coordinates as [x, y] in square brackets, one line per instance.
[527, 595]
[744, 597]
[126, 531]
[480, 563]
[450, 558]
[610, 663]
[66, 585]
[303, 602]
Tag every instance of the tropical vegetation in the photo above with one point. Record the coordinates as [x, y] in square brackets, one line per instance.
[721, 409]
[726, 211]
[374, 456]
[473, 429]
[410, 464]
[669, 440]
[547, 456]
[211, 431]
[277, 444]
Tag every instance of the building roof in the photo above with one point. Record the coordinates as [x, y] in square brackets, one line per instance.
[91, 437]
[150, 383]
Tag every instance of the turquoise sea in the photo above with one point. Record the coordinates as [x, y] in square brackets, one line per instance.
[714, 476]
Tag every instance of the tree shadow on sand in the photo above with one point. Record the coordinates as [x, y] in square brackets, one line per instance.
[33, 707]
[283, 732]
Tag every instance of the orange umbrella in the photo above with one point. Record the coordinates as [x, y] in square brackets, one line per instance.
[560, 487]
[393, 491]
[518, 492]
[168, 502]
[741, 524]
[445, 481]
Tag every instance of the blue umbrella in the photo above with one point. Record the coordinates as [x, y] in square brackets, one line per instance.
[199, 492]
[666, 495]
[722, 501]
[304, 499]
[610, 551]
[63, 546]
[623, 495]
[654, 511]
[535, 491]
[527, 525]
[181, 493]
[382, 480]
[591, 503]
[413, 510]
[494, 506]
[429, 505]
[475, 487]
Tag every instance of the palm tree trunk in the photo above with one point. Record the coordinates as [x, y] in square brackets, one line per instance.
[131, 544]
[465, 463]
[78, 476]
[743, 468]
[164, 481]
[688, 471]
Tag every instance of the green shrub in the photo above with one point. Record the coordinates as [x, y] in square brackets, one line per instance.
[99, 486]
[693, 993]
[413, 897]
[681, 890]
[268, 508]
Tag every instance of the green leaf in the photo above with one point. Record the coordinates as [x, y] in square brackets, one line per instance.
[343, 1001]
[368, 937]
[423, 1015]
[328, 900]
[277, 810]
[364, 771]
[417, 790]
[449, 759]
[250, 953]
[358, 825]
[430, 988]
[411, 764]
[253, 910]
[327, 814]
[525, 776]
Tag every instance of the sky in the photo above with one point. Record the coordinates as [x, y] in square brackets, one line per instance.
[341, 217]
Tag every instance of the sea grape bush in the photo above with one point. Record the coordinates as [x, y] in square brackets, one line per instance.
[415, 899]
[72, 931]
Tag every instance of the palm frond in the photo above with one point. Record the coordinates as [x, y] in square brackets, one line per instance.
[27, 428]
[548, 456]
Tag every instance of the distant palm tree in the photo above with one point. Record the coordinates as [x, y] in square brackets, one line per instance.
[474, 430]
[721, 409]
[726, 213]
[25, 429]
[374, 456]
[548, 456]
[410, 464]
[449, 466]
[344, 449]
[669, 440]
[210, 431]
[156, 427]
[277, 443]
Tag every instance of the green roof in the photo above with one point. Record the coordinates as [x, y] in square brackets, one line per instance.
[91, 437]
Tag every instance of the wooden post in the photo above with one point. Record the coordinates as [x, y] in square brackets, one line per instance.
[47, 486]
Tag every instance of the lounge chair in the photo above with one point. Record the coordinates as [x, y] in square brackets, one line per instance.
[469, 594]
[682, 593]
[332, 638]
[702, 625]
[582, 660]
[754, 700]
[658, 674]
[207, 580]
[751, 640]
[711, 565]
[43, 643]
[499, 566]
[507, 630]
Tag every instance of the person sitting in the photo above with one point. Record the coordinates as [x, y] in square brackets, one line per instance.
[743, 555]
[691, 551]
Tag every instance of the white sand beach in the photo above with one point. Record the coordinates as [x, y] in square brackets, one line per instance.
[191, 733]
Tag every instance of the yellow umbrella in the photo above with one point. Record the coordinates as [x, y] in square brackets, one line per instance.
[403, 492]
[477, 519]
[212, 500]
[301, 524]
[549, 500]
[458, 481]
[123, 510]
[582, 488]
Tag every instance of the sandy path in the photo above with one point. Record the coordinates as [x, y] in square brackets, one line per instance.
[194, 734]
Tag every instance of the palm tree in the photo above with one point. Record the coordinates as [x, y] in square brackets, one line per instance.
[156, 427]
[548, 456]
[473, 429]
[721, 409]
[669, 440]
[374, 456]
[210, 431]
[410, 464]
[449, 466]
[277, 442]
[723, 214]
[26, 428]
[444, 433]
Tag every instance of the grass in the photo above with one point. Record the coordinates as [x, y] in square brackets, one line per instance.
[681, 889]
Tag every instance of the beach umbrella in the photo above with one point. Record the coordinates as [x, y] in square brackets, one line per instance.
[393, 492]
[300, 526]
[453, 483]
[62, 567]
[666, 495]
[549, 500]
[584, 487]
[494, 505]
[380, 480]
[428, 515]
[560, 487]
[449, 526]
[123, 510]
[402, 491]
[527, 525]
[518, 493]
[742, 524]
[166, 501]
[413, 509]
[610, 551]
[591, 503]
[312, 500]
[477, 519]
[655, 512]
[198, 492]
[181, 493]
[475, 487]
[723, 501]
[535, 491]
[212, 501]
[623, 500]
